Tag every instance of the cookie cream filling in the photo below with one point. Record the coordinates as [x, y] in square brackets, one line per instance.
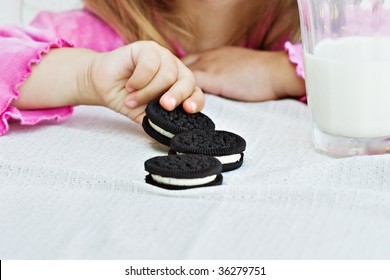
[229, 159]
[160, 130]
[226, 159]
[183, 182]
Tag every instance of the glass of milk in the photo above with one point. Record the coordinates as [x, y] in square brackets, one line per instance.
[346, 47]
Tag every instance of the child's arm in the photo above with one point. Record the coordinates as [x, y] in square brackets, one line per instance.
[40, 75]
[131, 75]
[245, 74]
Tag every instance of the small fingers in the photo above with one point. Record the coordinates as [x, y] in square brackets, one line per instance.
[181, 90]
[117, 104]
[195, 102]
[136, 114]
[148, 63]
[159, 73]
[166, 76]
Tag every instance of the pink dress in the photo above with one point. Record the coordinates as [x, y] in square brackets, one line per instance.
[23, 46]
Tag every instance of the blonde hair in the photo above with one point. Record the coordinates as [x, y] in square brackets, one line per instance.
[162, 21]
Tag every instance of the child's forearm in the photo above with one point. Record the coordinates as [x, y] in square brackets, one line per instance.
[124, 80]
[60, 79]
[246, 74]
[286, 82]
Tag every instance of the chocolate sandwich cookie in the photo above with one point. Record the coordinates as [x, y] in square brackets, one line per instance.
[225, 146]
[162, 125]
[177, 172]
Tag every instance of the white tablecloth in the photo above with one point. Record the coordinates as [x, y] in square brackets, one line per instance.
[76, 190]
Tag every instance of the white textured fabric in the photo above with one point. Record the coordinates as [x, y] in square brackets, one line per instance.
[76, 190]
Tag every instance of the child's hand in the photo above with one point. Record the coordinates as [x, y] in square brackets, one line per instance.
[246, 75]
[127, 78]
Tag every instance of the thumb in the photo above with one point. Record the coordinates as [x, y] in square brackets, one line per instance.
[139, 118]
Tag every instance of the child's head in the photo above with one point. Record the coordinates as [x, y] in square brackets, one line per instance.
[162, 20]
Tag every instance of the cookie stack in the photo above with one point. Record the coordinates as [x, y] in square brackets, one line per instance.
[198, 153]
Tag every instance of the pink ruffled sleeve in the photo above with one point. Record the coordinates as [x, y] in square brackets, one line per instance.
[295, 55]
[23, 46]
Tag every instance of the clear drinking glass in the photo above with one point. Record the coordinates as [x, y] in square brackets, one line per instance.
[346, 45]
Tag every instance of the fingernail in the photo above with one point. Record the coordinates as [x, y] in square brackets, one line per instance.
[132, 104]
[129, 89]
[193, 106]
[172, 102]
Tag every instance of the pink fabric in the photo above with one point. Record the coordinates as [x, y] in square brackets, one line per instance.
[14, 72]
[21, 47]
[295, 54]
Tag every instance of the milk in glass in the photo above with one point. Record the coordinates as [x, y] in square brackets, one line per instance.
[348, 86]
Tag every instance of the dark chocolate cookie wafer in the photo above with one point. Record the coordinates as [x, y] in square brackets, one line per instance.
[226, 146]
[177, 172]
[162, 125]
